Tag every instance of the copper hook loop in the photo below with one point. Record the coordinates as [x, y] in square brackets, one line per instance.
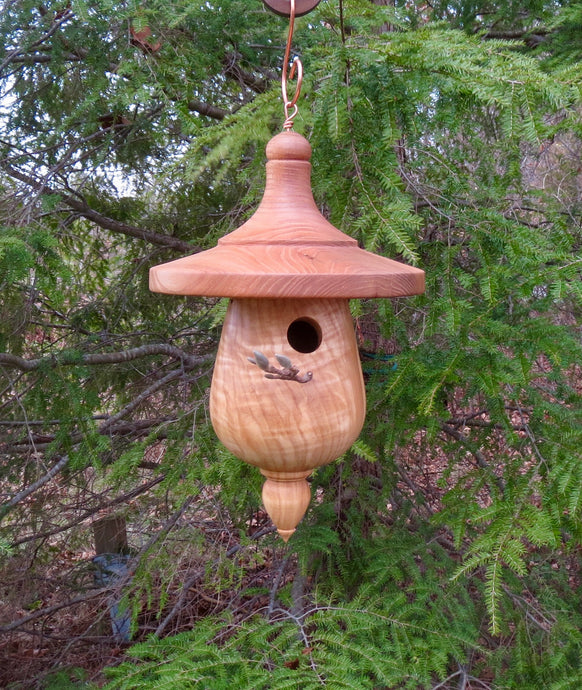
[287, 74]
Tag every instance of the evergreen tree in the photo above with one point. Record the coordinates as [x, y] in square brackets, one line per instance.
[444, 551]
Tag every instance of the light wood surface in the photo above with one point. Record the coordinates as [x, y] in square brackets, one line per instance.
[284, 427]
[288, 271]
[287, 248]
[286, 503]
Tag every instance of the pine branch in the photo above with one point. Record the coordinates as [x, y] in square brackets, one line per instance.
[136, 428]
[39, 422]
[531, 38]
[212, 111]
[233, 70]
[43, 59]
[79, 205]
[206, 109]
[124, 229]
[67, 358]
[475, 452]
[56, 24]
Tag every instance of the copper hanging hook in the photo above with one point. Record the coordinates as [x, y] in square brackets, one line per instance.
[290, 106]
[291, 9]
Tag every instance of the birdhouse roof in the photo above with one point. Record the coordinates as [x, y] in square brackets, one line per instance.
[287, 249]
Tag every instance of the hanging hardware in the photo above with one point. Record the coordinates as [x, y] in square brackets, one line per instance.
[290, 106]
[291, 9]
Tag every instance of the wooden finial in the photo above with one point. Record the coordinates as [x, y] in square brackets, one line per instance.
[286, 503]
[288, 146]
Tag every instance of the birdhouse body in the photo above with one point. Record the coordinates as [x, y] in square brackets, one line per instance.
[283, 426]
[289, 274]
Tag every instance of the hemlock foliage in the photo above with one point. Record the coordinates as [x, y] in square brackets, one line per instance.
[443, 550]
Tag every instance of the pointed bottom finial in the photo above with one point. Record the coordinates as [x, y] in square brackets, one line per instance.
[286, 502]
[285, 534]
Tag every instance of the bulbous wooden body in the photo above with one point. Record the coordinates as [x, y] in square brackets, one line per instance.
[284, 427]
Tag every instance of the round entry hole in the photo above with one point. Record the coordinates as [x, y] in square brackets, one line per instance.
[304, 335]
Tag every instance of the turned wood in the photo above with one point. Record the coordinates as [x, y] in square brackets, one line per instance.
[286, 503]
[287, 248]
[284, 427]
[290, 274]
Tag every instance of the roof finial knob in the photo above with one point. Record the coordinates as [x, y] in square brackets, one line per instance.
[289, 146]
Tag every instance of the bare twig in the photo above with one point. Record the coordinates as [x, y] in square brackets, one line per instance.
[444, 682]
[142, 488]
[299, 621]
[41, 613]
[139, 399]
[21, 495]
[287, 372]
[483, 424]
[275, 585]
[198, 575]
[165, 529]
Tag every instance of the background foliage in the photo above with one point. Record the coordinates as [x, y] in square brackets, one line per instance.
[443, 551]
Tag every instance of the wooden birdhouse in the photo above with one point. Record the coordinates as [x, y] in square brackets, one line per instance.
[287, 393]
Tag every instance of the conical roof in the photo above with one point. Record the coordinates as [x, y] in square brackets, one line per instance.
[287, 249]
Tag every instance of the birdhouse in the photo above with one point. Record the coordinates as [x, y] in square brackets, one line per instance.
[287, 392]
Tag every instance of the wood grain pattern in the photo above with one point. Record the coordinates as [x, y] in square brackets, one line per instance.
[289, 271]
[287, 248]
[284, 427]
[286, 503]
